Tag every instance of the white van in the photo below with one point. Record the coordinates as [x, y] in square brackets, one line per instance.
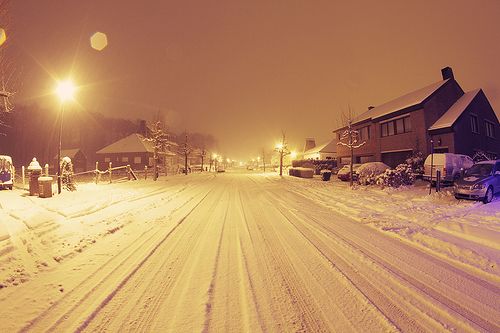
[448, 164]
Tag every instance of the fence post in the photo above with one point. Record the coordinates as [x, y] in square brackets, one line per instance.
[438, 180]
[145, 172]
[46, 170]
[24, 176]
[110, 171]
[128, 171]
[96, 172]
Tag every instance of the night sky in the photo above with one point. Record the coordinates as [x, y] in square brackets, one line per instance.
[245, 70]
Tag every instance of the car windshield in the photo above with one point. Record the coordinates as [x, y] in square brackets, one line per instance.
[480, 170]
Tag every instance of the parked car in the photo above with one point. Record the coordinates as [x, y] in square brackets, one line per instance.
[6, 172]
[344, 173]
[450, 165]
[480, 182]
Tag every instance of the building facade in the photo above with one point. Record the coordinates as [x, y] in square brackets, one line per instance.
[439, 116]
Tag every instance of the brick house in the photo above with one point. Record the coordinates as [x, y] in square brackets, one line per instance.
[133, 150]
[456, 122]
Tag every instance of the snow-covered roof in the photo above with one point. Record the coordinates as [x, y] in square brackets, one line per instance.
[327, 147]
[71, 153]
[134, 143]
[411, 99]
[449, 117]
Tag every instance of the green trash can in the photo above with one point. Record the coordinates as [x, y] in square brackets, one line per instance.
[325, 175]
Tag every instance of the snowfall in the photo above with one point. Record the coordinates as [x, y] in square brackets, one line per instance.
[248, 252]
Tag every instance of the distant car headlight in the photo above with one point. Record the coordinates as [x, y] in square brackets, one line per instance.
[479, 186]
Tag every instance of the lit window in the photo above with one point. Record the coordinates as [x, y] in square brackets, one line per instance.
[384, 129]
[137, 160]
[125, 159]
[107, 159]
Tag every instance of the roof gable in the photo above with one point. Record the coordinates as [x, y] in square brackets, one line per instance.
[328, 147]
[414, 98]
[455, 111]
[134, 143]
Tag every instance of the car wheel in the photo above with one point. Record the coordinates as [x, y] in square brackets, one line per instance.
[489, 195]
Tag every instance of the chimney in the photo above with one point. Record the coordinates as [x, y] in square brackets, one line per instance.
[371, 107]
[310, 144]
[142, 130]
[447, 73]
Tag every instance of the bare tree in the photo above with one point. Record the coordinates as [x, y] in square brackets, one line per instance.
[159, 139]
[282, 149]
[203, 153]
[185, 150]
[6, 65]
[264, 159]
[350, 139]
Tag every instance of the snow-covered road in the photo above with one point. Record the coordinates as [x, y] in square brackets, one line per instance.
[228, 252]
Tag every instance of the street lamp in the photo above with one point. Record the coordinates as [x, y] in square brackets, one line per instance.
[65, 90]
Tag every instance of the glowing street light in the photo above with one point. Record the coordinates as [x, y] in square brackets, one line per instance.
[3, 36]
[65, 90]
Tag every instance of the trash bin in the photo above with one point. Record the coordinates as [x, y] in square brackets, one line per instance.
[45, 187]
[34, 170]
[325, 175]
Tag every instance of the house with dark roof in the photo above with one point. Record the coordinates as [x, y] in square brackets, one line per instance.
[135, 151]
[440, 115]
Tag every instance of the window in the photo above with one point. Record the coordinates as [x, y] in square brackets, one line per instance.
[390, 130]
[125, 159]
[364, 133]
[384, 129]
[400, 127]
[473, 124]
[107, 159]
[137, 160]
[490, 129]
[407, 124]
[397, 126]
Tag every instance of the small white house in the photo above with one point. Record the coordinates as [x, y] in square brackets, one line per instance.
[325, 151]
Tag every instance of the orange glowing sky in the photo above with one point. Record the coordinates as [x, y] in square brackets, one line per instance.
[245, 70]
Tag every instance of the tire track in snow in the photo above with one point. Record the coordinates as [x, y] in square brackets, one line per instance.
[427, 289]
[149, 294]
[108, 298]
[72, 296]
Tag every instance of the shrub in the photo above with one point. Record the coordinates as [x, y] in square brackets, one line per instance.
[402, 175]
[416, 162]
[368, 172]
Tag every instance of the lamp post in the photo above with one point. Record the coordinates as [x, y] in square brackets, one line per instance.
[65, 90]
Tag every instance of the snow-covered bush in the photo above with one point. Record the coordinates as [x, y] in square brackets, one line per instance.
[67, 174]
[368, 172]
[416, 162]
[401, 175]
